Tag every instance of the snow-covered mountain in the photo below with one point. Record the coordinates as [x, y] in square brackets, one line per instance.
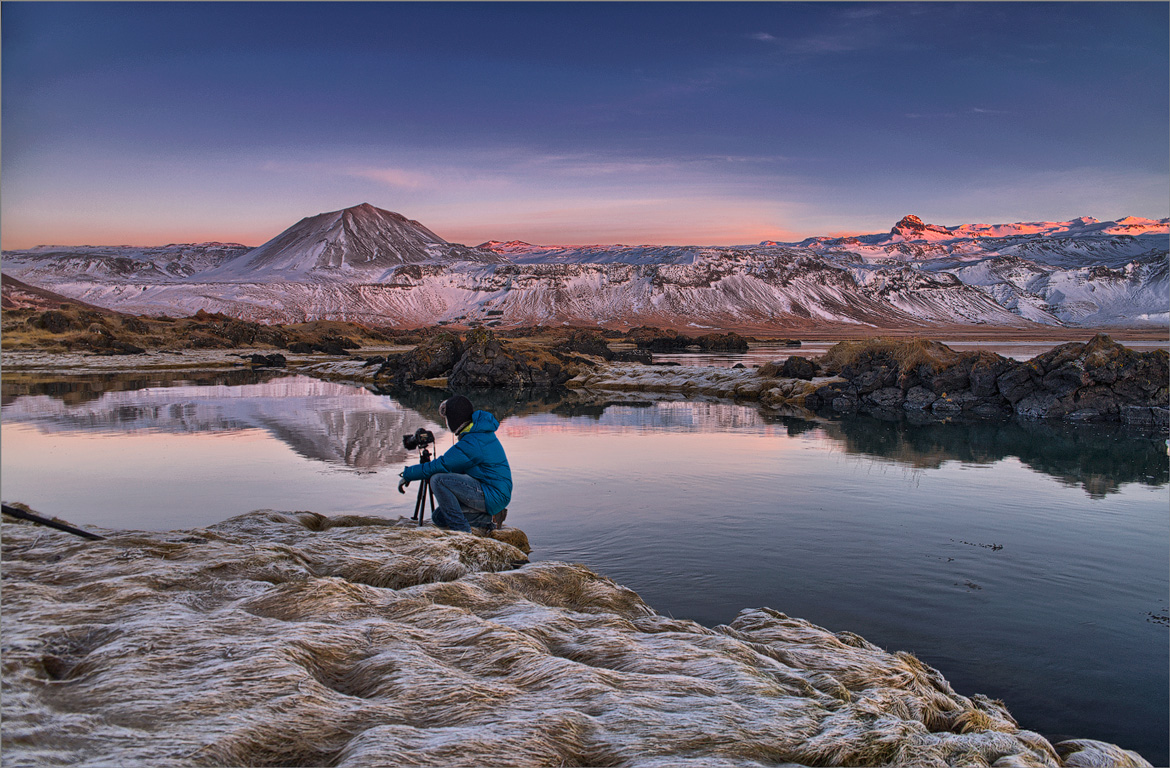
[362, 243]
[374, 266]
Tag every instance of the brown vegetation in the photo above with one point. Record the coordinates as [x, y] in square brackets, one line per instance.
[907, 353]
[75, 327]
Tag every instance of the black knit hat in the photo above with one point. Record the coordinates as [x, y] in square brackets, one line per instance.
[458, 410]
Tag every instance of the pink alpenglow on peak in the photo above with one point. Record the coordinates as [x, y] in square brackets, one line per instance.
[511, 246]
[1135, 225]
[912, 228]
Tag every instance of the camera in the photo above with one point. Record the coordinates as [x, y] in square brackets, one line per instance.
[421, 438]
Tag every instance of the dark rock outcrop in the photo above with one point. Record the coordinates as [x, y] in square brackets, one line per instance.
[488, 362]
[1100, 380]
[659, 340]
[432, 358]
[798, 368]
[643, 356]
[51, 320]
[586, 343]
[479, 361]
[275, 360]
[722, 342]
[792, 368]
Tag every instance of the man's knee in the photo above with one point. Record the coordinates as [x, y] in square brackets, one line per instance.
[439, 479]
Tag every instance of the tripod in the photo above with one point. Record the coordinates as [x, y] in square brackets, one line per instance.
[424, 490]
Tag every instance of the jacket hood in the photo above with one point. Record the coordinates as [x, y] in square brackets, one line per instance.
[482, 421]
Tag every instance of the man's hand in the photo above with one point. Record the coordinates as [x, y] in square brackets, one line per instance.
[402, 485]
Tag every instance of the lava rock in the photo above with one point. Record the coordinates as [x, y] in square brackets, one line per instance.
[885, 398]
[643, 356]
[659, 340]
[919, 399]
[722, 342]
[275, 360]
[432, 358]
[798, 368]
[1016, 383]
[51, 320]
[488, 362]
[587, 343]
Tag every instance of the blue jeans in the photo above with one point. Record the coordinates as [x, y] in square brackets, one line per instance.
[459, 502]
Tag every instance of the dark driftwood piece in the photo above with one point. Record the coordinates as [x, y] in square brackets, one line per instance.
[20, 513]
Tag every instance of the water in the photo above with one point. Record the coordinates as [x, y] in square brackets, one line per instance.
[1027, 562]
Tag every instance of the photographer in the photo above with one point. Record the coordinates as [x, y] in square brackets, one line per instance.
[471, 482]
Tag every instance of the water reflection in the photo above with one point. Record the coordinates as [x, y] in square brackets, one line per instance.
[83, 388]
[1098, 458]
[319, 420]
[351, 427]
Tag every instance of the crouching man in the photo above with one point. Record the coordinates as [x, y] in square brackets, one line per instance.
[472, 481]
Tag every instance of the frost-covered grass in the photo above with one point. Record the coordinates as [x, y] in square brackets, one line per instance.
[296, 639]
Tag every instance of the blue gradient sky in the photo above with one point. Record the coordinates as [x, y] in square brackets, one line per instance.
[698, 123]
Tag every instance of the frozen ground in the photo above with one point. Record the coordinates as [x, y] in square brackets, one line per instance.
[295, 639]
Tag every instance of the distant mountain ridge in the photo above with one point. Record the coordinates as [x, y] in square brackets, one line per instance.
[375, 266]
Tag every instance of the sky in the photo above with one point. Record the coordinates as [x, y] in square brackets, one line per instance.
[576, 123]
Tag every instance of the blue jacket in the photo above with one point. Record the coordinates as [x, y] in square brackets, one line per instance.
[478, 454]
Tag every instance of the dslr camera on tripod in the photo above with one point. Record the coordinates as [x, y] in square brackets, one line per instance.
[421, 438]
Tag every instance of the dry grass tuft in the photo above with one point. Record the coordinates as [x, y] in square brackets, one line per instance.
[908, 354]
[280, 638]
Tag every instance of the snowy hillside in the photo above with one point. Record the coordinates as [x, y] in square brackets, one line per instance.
[374, 266]
[47, 264]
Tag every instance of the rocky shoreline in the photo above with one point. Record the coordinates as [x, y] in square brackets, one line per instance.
[923, 381]
[1100, 380]
[292, 638]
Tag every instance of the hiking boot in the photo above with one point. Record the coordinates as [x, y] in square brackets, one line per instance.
[498, 519]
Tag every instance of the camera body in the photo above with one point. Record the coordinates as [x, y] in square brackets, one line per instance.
[421, 438]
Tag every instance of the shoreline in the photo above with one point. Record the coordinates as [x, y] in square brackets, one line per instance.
[1100, 380]
[300, 639]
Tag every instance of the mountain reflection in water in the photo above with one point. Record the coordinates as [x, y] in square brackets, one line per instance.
[348, 426]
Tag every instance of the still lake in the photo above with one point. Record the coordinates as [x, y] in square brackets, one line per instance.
[1028, 562]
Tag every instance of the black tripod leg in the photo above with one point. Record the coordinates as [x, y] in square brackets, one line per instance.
[420, 504]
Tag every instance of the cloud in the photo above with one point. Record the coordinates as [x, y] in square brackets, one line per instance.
[393, 177]
[971, 111]
[826, 44]
[812, 44]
